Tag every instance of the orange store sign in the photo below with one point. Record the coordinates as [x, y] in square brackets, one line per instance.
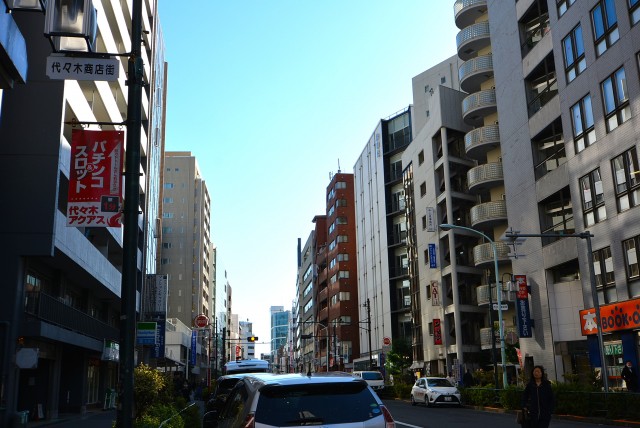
[614, 317]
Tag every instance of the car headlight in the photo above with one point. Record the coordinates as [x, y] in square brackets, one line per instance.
[456, 392]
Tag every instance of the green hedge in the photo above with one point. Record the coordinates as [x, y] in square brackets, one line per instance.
[571, 399]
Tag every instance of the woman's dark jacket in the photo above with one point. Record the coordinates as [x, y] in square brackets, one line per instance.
[539, 399]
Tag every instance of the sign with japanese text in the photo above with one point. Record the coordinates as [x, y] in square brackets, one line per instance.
[433, 261]
[194, 337]
[431, 219]
[60, 67]
[523, 315]
[614, 317]
[156, 288]
[95, 179]
[437, 332]
[161, 328]
[146, 333]
[435, 294]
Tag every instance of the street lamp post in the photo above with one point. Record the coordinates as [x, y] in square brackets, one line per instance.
[514, 235]
[368, 306]
[503, 354]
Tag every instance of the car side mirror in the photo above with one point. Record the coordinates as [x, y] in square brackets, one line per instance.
[210, 419]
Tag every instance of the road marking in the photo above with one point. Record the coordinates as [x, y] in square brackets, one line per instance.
[407, 425]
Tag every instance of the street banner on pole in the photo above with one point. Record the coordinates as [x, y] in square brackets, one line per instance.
[95, 179]
[523, 315]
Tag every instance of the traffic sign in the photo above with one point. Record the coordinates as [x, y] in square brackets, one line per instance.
[386, 341]
[201, 321]
[504, 307]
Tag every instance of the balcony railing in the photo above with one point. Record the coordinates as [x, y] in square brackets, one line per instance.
[489, 212]
[51, 310]
[482, 293]
[483, 253]
[478, 105]
[472, 38]
[466, 11]
[480, 140]
[485, 174]
[475, 71]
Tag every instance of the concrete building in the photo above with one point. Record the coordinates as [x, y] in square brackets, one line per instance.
[60, 311]
[187, 251]
[446, 313]
[335, 291]
[383, 270]
[304, 318]
[248, 348]
[570, 155]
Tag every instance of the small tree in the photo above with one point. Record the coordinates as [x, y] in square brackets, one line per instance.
[399, 358]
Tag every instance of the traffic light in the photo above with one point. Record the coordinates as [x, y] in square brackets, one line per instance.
[252, 338]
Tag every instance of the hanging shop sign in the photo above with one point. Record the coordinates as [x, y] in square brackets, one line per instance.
[95, 179]
[523, 315]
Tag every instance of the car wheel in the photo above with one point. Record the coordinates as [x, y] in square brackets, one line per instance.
[413, 400]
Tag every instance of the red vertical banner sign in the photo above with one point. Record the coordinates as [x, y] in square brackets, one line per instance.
[95, 179]
[437, 332]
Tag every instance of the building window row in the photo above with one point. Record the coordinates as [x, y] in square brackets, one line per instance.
[593, 208]
[626, 174]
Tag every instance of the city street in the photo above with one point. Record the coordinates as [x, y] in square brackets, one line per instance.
[406, 415]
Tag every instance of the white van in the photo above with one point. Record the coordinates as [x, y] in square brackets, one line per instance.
[373, 378]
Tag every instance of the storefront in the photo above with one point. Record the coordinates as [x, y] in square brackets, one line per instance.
[620, 334]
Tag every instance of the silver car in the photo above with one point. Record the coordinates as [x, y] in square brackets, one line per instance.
[331, 399]
[435, 391]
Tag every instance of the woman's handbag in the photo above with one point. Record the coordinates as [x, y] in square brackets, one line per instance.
[522, 417]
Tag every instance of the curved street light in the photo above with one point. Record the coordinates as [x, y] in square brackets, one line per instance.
[503, 354]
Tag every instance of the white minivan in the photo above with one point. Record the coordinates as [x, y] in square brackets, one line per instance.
[373, 378]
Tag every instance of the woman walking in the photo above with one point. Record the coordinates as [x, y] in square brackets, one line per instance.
[538, 399]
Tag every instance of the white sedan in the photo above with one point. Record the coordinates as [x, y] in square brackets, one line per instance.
[435, 391]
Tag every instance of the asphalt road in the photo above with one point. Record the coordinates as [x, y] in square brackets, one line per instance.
[407, 416]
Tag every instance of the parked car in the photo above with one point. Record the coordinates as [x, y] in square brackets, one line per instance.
[373, 378]
[435, 391]
[331, 399]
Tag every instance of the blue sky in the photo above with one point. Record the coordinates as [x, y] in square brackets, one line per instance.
[271, 97]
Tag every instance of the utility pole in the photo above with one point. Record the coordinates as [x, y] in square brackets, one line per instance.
[130, 221]
[368, 306]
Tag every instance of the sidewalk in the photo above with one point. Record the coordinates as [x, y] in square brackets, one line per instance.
[92, 418]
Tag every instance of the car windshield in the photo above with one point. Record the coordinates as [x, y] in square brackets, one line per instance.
[372, 376]
[316, 404]
[439, 382]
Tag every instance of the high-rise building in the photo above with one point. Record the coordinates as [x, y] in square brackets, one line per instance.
[570, 160]
[383, 269]
[187, 251]
[248, 348]
[61, 286]
[304, 318]
[280, 320]
[337, 321]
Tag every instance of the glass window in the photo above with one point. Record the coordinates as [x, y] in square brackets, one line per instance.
[626, 175]
[616, 99]
[630, 247]
[563, 5]
[634, 11]
[574, 60]
[593, 208]
[582, 118]
[605, 25]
